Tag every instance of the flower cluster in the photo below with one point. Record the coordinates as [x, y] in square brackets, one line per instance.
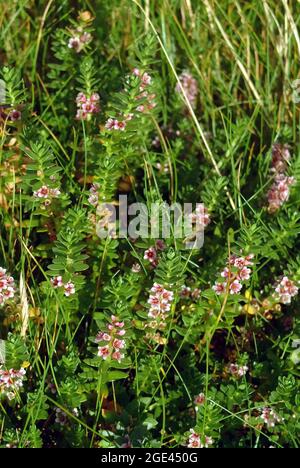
[7, 286]
[160, 301]
[280, 157]
[236, 370]
[201, 217]
[285, 290]
[105, 222]
[145, 82]
[69, 287]
[280, 190]
[197, 222]
[79, 39]
[87, 106]
[197, 441]
[190, 87]
[115, 124]
[151, 254]
[11, 381]
[269, 417]
[234, 274]
[47, 193]
[94, 195]
[113, 339]
[120, 123]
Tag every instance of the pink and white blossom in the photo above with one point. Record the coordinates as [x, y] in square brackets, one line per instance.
[285, 290]
[11, 381]
[114, 343]
[69, 288]
[269, 417]
[198, 441]
[7, 286]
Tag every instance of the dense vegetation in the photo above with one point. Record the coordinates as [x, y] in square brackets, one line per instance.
[114, 341]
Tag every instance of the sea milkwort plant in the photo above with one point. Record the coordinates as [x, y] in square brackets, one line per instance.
[149, 225]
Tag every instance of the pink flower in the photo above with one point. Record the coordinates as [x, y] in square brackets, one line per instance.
[81, 98]
[279, 192]
[87, 105]
[57, 281]
[167, 295]
[110, 124]
[47, 192]
[79, 41]
[197, 441]
[232, 259]
[117, 323]
[244, 273]
[114, 344]
[102, 336]
[60, 417]
[160, 245]
[8, 293]
[235, 287]
[146, 79]
[226, 273]
[42, 192]
[203, 218]
[150, 254]
[74, 43]
[157, 288]
[117, 356]
[239, 262]
[54, 192]
[219, 288]
[160, 301]
[280, 157]
[269, 417]
[120, 125]
[185, 291]
[154, 300]
[237, 371]
[115, 124]
[248, 259]
[7, 287]
[200, 399]
[69, 289]
[286, 289]
[14, 115]
[85, 38]
[118, 344]
[95, 97]
[103, 351]
[194, 440]
[11, 381]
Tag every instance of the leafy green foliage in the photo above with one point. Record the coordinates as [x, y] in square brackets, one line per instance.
[89, 363]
